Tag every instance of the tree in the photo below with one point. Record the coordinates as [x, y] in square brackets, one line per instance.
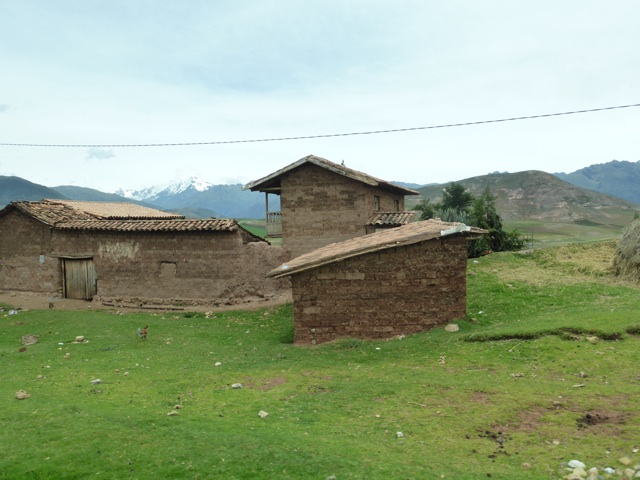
[426, 209]
[456, 197]
[485, 215]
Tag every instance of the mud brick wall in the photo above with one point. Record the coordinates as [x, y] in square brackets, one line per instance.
[25, 263]
[320, 207]
[382, 294]
[143, 268]
[181, 268]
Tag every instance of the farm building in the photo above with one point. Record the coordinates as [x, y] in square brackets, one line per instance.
[392, 282]
[322, 202]
[126, 254]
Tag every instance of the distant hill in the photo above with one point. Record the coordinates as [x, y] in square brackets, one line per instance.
[226, 201]
[16, 188]
[536, 195]
[619, 178]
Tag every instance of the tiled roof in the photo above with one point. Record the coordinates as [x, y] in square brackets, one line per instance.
[273, 180]
[116, 210]
[54, 212]
[391, 219]
[212, 224]
[389, 238]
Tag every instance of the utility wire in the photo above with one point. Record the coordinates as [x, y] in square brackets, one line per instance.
[307, 137]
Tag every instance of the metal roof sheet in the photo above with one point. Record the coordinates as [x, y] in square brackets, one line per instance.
[389, 238]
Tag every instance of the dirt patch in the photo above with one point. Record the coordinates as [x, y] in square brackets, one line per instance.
[43, 301]
[481, 397]
[272, 383]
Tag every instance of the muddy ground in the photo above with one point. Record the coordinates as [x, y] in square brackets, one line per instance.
[38, 301]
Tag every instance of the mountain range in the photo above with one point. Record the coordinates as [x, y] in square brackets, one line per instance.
[585, 193]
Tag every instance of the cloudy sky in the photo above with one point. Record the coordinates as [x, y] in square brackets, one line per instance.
[102, 73]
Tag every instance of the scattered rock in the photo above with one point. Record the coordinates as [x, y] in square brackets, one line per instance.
[236, 386]
[67, 355]
[177, 407]
[173, 413]
[626, 461]
[21, 395]
[576, 464]
[526, 465]
[452, 327]
[263, 414]
[22, 349]
[80, 339]
[217, 364]
[30, 339]
[95, 381]
[399, 434]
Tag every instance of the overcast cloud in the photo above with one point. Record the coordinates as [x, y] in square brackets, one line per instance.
[97, 73]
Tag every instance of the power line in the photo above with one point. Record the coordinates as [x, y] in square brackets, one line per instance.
[307, 137]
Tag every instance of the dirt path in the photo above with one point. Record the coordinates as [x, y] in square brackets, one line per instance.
[39, 301]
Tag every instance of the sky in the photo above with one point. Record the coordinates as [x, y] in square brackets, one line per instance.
[134, 72]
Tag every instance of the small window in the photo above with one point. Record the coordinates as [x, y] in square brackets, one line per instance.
[396, 202]
[376, 203]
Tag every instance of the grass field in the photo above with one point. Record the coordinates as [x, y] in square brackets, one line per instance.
[543, 371]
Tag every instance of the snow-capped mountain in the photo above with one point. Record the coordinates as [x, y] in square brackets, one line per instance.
[228, 201]
[189, 185]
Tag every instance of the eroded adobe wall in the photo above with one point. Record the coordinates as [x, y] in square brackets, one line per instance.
[321, 207]
[185, 268]
[380, 295]
[25, 263]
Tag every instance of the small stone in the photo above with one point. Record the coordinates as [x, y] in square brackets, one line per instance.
[452, 327]
[629, 472]
[592, 339]
[95, 381]
[526, 465]
[555, 442]
[579, 472]
[67, 355]
[610, 470]
[625, 461]
[80, 339]
[21, 395]
[263, 414]
[399, 434]
[332, 477]
[576, 464]
[593, 471]
[236, 386]
[173, 413]
[177, 407]
[217, 364]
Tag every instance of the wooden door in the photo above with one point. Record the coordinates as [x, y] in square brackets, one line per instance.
[79, 277]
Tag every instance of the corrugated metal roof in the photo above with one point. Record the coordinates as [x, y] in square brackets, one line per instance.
[382, 240]
[208, 225]
[391, 219]
[273, 180]
[116, 210]
[53, 212]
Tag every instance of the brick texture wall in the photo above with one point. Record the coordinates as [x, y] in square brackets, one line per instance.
[183, 268]
[320, 207]
[396, 291]
[24, 261]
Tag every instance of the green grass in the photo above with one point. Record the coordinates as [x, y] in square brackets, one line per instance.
[538, 326]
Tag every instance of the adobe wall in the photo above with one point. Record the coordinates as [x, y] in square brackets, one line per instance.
[382, 294]
[181, 268]
[321, 207]
[24, 261]
[184, 268]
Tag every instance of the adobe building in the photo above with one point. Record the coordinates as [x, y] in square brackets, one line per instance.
[393, 282]
[125, 254]
[322, 202]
